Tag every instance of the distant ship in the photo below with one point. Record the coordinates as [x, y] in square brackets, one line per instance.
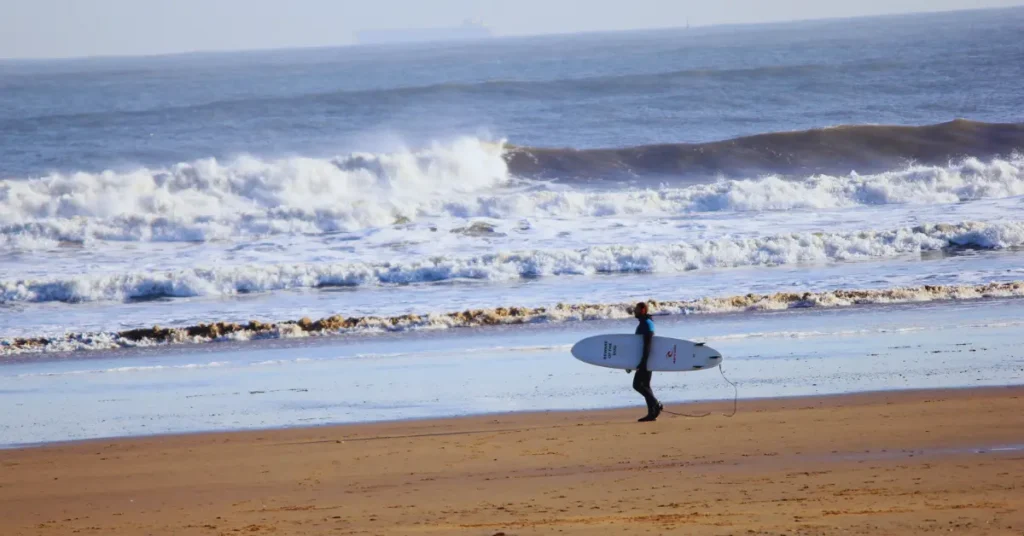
[469, 30]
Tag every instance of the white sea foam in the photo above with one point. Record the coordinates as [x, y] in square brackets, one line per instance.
[515, 315]
[727, 252]
[211, 200]
[208, 199]
[967, 180]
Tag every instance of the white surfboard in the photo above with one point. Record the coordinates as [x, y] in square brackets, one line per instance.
[622, 351]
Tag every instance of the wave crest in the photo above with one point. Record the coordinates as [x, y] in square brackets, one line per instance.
[835, 150]
[207, 199]
[969, 179]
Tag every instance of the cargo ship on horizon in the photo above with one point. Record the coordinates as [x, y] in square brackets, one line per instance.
[469, 30]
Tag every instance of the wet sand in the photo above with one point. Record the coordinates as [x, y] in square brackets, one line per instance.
[884, 463]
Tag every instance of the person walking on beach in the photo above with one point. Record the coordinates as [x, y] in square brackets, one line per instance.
[642, 379]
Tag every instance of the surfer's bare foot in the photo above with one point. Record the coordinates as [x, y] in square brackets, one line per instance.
[658, 410]
[647, 418]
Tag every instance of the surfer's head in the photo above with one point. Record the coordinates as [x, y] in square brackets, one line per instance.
[640, 310]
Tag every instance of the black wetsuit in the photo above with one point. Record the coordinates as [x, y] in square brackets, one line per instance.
[642, 379]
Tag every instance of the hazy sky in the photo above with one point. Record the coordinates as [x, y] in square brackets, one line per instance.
[59, 28]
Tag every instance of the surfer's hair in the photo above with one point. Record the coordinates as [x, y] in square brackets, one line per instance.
[640, 306]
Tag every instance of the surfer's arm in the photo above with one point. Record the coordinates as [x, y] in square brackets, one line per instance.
[648, 338]
[648, 333]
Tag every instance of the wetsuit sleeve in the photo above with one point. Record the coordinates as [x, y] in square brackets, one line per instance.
[648, 340]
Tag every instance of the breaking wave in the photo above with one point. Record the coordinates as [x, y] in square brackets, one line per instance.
[334, 325]
[835, 150]
[727, 252]
[209, 200]
[966, 180]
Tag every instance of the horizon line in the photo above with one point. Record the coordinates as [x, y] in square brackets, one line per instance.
[496, 37]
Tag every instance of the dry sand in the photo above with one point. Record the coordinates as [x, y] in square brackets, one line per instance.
[886, 463]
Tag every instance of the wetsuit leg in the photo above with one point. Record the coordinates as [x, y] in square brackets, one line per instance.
[642, 384]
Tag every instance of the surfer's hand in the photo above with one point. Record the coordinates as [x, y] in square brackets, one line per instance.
[629, 371]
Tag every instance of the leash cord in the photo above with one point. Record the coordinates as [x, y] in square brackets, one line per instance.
[735, 400]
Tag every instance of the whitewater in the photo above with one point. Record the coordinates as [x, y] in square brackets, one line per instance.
[248, 197]
[709, 165]
[275, 236]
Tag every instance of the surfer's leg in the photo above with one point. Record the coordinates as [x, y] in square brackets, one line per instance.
[653, 402]
[642, 384]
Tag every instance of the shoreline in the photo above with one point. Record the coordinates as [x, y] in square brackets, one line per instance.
[909, 462]
[714, 407]
[506, 369]
[331, 329]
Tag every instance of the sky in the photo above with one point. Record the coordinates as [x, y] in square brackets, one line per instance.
[74, 28]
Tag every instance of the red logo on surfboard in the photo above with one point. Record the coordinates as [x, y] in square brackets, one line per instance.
[671, 354]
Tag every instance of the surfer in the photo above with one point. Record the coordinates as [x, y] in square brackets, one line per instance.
[642, 379]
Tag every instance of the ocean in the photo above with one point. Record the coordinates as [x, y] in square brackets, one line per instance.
[381, 191]
[583, 169]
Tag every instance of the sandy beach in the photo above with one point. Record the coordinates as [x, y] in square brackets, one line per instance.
[883, 463]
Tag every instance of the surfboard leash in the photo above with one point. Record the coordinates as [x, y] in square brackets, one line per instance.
[735, 392]
[735, 401]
